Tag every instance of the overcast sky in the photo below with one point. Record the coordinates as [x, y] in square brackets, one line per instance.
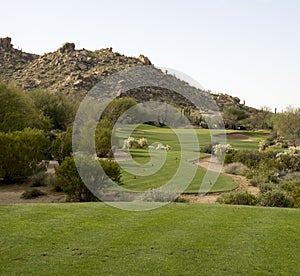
[246, 48]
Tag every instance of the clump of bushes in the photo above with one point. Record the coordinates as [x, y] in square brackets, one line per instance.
[269, 196]
[41, 179]
[238, 198]
[69, 181]
[275, 198]
[132, 143]
[236, 168]
[32, 194]
[159, 195]
[221, 150]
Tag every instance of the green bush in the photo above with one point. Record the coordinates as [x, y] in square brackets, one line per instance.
[265, 187]
[292, 187]
[32, 194]
[252, 159]
[228, 158]
[276, 198]
[69, 180]
[21, 153]
[238, 198]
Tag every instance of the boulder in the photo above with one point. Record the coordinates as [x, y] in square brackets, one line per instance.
[67, 47]
[5, 43]
[144, 60]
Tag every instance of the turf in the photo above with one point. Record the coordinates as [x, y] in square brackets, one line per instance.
[178, 239]
[188, 148]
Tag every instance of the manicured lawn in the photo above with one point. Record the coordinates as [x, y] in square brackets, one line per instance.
[178, 239]
[188, 148]
[185, 152]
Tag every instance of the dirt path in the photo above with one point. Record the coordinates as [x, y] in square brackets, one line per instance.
[11, 193]
[214, 165]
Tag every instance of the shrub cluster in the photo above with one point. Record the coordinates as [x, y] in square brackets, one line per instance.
[32, 194]
[132, 143]
[159, 195]
[238, 198]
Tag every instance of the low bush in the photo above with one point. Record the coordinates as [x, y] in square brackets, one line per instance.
[159, 195]
[238, 198]
[32, 194]
[235, 168]
[275, 198]
[292, 187]
[265, 187]
[40, 179]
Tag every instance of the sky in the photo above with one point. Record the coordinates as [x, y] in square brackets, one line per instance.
[246, 48]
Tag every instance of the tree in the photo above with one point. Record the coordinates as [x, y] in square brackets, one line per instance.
[116, 108]
[18, 110]
[61, 147]
[262, 118]
[287, 124]
[103, 138]
[233, 115]
[59, 109]
[21, 152]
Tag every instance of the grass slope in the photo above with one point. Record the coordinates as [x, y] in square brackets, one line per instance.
[170, 167]
[179, 239]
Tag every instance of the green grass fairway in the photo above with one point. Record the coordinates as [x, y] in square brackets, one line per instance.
[179, 239]
[167, 136]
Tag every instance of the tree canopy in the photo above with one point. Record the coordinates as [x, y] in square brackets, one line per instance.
[287, 124]
[18, 110]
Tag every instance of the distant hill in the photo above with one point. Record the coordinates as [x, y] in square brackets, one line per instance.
[74, 72]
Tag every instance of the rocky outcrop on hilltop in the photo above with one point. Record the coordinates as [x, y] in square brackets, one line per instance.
[12, 60]
[70, 71]
[225, 101]
[74, 72]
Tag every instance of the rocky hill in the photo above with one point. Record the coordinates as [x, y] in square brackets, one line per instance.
[74, 72]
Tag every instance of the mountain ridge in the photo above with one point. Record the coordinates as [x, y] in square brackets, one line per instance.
[75, 71]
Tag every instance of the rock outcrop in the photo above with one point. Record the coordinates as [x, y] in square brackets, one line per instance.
[75, 71]
[5, 43]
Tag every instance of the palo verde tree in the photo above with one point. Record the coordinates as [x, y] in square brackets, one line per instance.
[287, 124]
[59, 109]
[233, 115]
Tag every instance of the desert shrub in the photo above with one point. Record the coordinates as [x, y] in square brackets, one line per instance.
[252, 159]
[265, 187]
[181, 199]
[61, 146]
[21, 153]
[238, 198]
[70, 182]
[208, 148]
[292, 187]
[235, 168]
[32, 194]
[132, 143]
[159, 195]
[39, 179]
[221, 150]
[275, 198]
[228, 158]
[288, 161]
[117, 196]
